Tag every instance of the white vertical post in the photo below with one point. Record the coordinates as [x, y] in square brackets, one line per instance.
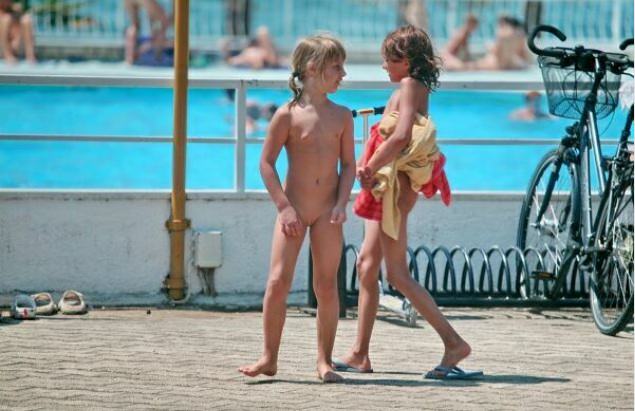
[288, 22]
[239, 127]
[616, 23]
[450, 18]
[120, 19]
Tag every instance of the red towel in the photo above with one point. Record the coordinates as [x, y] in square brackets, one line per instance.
[365, 204]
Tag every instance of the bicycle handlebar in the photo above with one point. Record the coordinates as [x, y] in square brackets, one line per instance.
[551, 52]
[371, 111]
[620, 62]
[626, 43]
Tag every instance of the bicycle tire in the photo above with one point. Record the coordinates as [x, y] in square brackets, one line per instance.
[611, 293]
[548, 237]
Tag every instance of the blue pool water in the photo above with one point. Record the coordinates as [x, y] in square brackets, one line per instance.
[92, 111]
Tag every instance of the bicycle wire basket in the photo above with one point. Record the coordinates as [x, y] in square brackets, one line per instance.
[568, 86]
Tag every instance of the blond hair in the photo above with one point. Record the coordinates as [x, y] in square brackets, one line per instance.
[319, 50]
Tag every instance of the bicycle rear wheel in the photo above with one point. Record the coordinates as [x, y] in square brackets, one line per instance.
[612, 277]
[544, 238]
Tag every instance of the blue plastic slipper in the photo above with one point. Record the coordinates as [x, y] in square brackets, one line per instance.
[452, 373]
[341, 366]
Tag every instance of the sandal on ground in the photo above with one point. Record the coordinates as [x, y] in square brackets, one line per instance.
[452, 373]
[44, 304]
[72, 302]
[23, 307]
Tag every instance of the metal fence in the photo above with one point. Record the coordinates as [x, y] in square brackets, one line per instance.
[362, 24]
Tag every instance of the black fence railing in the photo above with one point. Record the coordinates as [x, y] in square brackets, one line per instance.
[468, 277]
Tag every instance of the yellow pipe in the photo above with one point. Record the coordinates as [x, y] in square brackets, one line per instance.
[178, 224]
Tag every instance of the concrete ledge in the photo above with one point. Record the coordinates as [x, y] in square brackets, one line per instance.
[115, 242]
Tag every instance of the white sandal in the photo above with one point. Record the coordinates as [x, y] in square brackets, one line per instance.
[44, 304]
[23, 307]
[72, 302]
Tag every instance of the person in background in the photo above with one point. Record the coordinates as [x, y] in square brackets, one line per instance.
[508, 52]
[137, 46]
[456, 53]
[255, 111]
[413, 12]
[260, 53]
[16, 31]
[532, 110]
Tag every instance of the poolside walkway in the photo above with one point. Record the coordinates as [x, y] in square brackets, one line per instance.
[187, 359]
[84, 73]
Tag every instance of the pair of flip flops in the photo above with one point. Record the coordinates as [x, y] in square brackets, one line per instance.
[441, 372]
[26, 306]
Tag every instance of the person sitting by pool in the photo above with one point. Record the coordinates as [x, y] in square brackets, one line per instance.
[155, 49]
[456, 53]
[532, 110]
[16, 30]
[509, 51]
[260, 53]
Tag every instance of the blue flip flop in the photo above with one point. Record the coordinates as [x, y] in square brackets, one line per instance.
[341, 366]
[452, 373]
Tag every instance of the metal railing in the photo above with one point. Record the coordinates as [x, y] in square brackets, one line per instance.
[240, 139]
[362, 25]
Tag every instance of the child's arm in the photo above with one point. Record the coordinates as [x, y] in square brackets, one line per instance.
[347, 171]
[276, 138]
[409, 99]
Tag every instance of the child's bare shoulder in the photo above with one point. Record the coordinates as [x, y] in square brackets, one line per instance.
[283, 113]
[411, 83]
[343, 111]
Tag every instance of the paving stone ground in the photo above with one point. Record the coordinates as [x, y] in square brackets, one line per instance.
[186, 359]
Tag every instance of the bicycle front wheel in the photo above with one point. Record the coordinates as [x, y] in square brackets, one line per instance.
[549, 208]
[612, 276]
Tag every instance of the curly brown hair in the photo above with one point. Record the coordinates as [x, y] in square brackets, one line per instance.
[414, 44]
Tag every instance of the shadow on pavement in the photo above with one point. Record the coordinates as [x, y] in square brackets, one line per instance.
[486, 379]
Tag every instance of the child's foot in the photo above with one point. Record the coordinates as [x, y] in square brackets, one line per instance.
[455, 353]
[327, 374]
[357, 362]
[263, 366]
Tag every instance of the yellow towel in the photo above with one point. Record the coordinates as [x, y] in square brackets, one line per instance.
[416, 160]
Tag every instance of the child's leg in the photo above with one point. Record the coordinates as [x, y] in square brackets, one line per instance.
[326, 248]
[284, 253]
[398, 275]
[368, 263]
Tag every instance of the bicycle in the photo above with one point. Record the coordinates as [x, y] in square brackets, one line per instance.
[556, 227]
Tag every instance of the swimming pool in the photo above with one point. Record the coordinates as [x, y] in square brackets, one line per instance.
[99, 111]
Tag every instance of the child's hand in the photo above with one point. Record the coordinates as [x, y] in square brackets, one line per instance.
[365, 177]
[290, 222]
[338, 215]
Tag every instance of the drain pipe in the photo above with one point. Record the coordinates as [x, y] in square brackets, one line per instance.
[178, 224]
